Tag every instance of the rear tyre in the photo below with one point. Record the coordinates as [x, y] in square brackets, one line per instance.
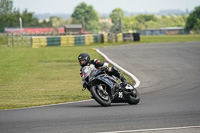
[134, 97]
[101, 98]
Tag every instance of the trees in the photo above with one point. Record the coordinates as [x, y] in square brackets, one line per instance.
[6, 6]
[142, 22]
[87, 15]
[193, 21]
[144, 18]
[28, 19]
[9, 20]
[130, 24]
[116, 14]
[93, 26]
[12, 20]
[9, 17]
[105, 27]
[57, 21]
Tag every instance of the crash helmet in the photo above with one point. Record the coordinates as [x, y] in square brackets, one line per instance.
[84, 59]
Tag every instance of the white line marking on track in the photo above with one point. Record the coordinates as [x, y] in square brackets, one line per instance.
[137, 82]
[156, 129]
[48, 105]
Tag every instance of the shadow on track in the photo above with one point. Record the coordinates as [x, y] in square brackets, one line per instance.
[97, 105]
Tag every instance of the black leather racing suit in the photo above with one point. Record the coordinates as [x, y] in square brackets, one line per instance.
[110, 71]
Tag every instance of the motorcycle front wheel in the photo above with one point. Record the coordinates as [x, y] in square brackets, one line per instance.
[102, 98]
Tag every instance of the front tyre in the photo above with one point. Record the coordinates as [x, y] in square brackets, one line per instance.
[102, 99]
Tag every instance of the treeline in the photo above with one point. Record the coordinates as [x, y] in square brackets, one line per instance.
[9, 17]
[12, 20]
[141, 22]
[86, 15]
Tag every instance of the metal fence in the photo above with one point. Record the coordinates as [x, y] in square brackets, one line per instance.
[164, 31]
[18, 40]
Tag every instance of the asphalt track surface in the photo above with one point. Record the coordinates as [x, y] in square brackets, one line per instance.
[170, 96]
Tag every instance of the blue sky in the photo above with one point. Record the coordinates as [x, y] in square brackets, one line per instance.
[105, 6]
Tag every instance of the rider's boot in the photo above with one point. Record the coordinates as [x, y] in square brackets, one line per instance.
[116, 73]
[124, 81]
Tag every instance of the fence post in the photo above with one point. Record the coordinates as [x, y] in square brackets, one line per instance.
[12, 41]
[22, 40]
[27, 40]
[17, 39]
[31, 41]
[8, 40]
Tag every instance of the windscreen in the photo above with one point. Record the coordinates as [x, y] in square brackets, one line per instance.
[87, 70]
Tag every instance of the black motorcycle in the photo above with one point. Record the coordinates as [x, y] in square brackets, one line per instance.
[106, 89]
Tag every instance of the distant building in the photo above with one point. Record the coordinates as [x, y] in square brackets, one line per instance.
[73, 28]
[163, 31]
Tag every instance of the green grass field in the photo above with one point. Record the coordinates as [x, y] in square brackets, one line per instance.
[3, 40]
[170, 38]
[32, 77]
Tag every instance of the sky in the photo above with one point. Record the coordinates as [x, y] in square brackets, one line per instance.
[104, 6]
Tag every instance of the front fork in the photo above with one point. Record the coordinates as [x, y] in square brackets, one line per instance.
[104, 89]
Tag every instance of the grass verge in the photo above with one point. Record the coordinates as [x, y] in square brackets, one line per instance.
[30, 77]
[169, 38]
[3, 40]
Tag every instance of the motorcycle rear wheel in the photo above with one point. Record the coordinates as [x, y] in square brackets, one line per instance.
[99, 98]
[134, 98]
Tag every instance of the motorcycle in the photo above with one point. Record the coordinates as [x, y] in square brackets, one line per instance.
[106, 89]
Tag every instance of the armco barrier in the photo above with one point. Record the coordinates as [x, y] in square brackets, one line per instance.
[113, 38]
[82, 39]
[96, 38]
[116, 38]
[53, 41]
[79, 40]
[100, 38]
[67, 41]
[38, 42]
[120, 37]
[89, 39]
[136, 37]
[128, 37]
[105, 38]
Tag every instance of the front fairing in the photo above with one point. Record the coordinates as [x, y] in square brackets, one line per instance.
[90, 74]
[88, 71]
[106, 79]
[99, 72]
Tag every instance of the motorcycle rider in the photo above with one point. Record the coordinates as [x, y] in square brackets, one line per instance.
[84, 60]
